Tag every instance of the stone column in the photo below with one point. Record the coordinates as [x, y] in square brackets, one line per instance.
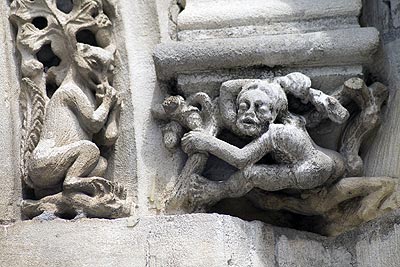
[10, 185]
[383, 157]
[140, 24]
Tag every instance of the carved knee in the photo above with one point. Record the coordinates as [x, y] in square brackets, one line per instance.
[312, 174]
[87, 156]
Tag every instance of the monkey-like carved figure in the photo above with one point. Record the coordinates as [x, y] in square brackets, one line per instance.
[65, 155]
[70, 109]
[259, 109]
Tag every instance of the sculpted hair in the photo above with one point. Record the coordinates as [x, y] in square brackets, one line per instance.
[274, 91]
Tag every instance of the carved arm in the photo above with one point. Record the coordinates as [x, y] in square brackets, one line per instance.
[299, 85]
[92, 119]
[196, 141]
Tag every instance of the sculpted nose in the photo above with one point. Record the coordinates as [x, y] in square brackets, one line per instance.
[250, 112]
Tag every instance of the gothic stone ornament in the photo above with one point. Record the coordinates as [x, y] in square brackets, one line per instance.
[259, 111]
[70, 109]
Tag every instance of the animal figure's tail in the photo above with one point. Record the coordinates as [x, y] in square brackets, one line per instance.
[33, 100]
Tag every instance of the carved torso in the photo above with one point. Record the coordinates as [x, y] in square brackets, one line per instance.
[60, 116]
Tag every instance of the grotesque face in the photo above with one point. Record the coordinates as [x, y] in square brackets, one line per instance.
[93, 63]
[257, 109]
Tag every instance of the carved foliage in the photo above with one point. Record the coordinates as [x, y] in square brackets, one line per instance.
[48, 37]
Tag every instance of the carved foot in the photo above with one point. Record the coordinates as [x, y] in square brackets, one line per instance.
[203, 193]
[90, 185]
[46, 216]
[92, 197]
[329, 105]
[371, 204]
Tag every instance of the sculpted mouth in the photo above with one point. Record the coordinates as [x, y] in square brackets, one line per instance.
[249, 121]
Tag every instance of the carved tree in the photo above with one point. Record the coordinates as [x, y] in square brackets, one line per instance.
[69, 107]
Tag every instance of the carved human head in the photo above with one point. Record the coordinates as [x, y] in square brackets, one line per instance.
[259, 104]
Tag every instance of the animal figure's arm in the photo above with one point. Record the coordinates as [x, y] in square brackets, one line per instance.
[196, 141]
[92, 119]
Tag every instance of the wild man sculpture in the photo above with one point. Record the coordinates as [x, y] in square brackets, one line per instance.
[258, 110]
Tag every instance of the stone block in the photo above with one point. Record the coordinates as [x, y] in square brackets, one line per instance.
[10, 186]
[328, 48]
[193, 240]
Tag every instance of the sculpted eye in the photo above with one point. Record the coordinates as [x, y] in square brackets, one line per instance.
[243, 106]
[263, 109]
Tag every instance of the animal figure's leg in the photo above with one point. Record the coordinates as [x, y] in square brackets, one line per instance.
[100, 168]
[87, 162]
[49, 165]
[380, 189]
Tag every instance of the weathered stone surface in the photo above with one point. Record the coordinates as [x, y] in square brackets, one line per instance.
[206, 14]
[193, 240]
[257, 111]
[328, 57]
[190, 240]
[10, 193]
[69, 108]
[145, 168]
[219, 19]
[327, 48]
[383, 156]
[327, 79]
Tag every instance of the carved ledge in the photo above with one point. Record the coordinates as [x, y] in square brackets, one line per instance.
[327, 48]
[202, 19]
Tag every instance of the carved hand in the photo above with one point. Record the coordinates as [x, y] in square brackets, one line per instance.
[107, 94]
[195, 141]
[297, 84]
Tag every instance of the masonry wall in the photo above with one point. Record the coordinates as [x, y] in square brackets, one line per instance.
[144, 166]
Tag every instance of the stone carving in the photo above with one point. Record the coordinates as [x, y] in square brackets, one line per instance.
[280, 159]
[70, 109]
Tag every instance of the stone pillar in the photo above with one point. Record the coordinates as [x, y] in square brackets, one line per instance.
[10, 192]
[383, 157]
[140, 24]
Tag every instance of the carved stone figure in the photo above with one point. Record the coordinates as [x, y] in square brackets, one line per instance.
[262, 114]
[258, 110]
[70, 109]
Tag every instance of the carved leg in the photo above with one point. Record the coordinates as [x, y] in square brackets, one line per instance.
[370, 205]
[276, 201]
[49, 165]
[87, 161]
[100, 168]
[307, 175]
[373, 191]
[318, 202]
[206, 193]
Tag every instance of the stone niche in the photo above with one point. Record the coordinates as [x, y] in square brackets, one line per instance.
[275, 105]
[200, 133]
